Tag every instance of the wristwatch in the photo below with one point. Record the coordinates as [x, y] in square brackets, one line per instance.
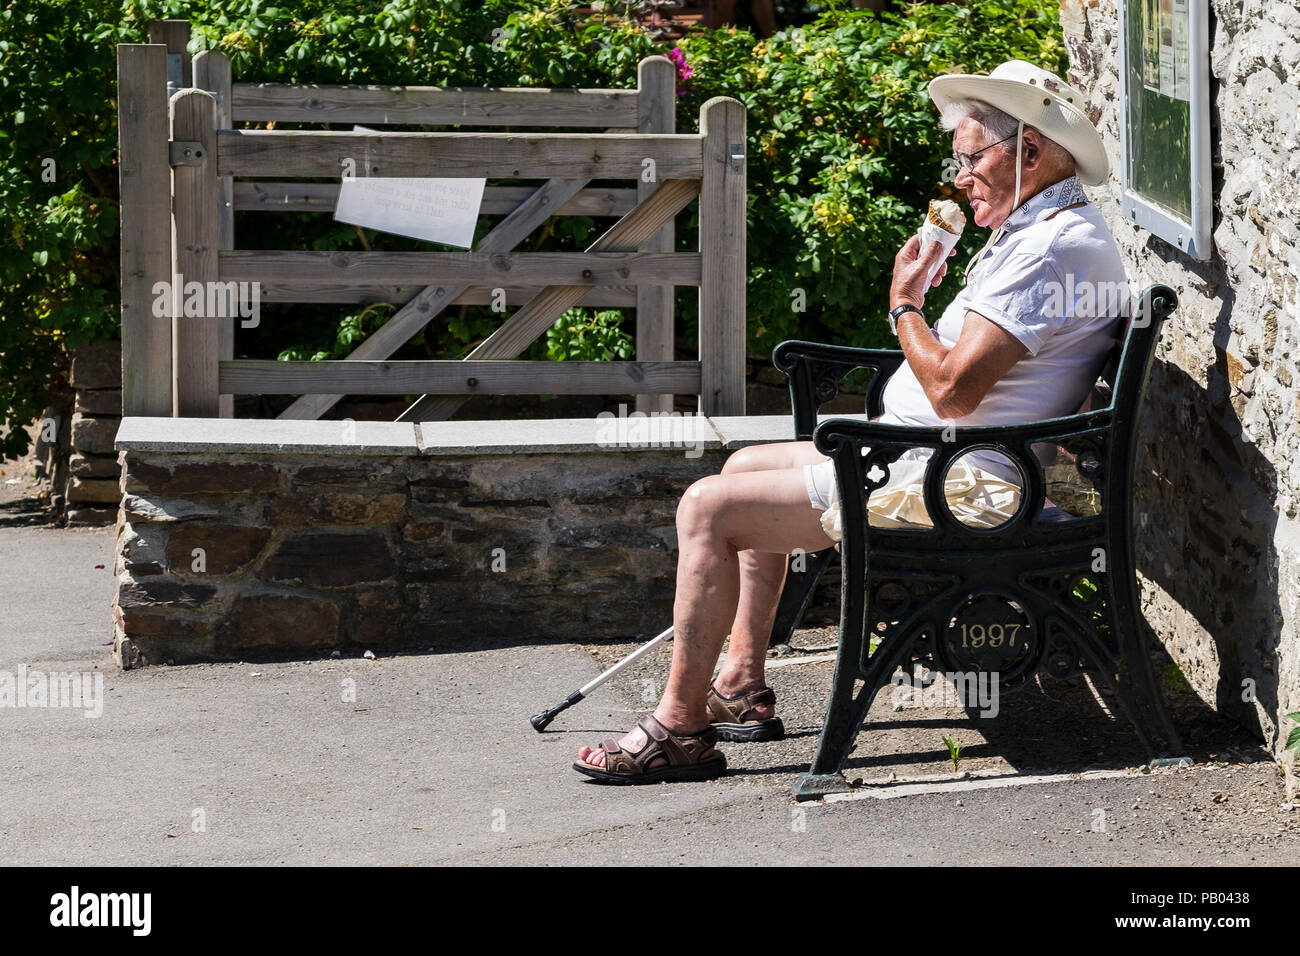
[895, 313]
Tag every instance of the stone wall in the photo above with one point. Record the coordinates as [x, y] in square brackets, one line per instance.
[74, 446]
[1219, 483]
[92, 490]
[241, 539]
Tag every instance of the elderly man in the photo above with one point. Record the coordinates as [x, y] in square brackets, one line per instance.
[1000, 353]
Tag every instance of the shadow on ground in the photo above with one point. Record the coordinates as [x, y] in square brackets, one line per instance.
[1048, 726]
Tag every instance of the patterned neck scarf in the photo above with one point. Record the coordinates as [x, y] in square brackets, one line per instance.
[1068, 192]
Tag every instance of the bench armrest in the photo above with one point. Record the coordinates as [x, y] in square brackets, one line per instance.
[844, 440]
[815, 371]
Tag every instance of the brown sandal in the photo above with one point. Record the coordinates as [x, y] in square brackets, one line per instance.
[666, 757]
[729, 716]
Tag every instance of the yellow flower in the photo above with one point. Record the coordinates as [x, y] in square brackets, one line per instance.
[807, 96]
[238, 40]
[833, 217]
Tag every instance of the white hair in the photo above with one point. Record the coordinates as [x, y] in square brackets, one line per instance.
[996, 123]
[1001, 125]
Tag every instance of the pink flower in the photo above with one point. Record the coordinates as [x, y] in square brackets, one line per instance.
[683, 69]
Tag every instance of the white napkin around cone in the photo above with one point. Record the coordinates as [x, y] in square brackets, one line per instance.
[929, 233]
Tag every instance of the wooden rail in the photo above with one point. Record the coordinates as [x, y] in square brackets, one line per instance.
[490, 155]
[497, 200]
[443, 377]
[434, 106]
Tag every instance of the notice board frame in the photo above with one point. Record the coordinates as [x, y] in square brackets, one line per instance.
[1182, 216]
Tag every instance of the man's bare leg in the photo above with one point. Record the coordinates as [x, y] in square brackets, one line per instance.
[719, 517]
[762, 575]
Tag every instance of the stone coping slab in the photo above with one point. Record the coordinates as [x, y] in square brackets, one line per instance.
[266, 436]
[740, 430]
[694, 434]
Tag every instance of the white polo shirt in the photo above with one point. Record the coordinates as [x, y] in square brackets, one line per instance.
[1056, 281]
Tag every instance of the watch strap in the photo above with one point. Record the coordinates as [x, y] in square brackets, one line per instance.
[895, 313]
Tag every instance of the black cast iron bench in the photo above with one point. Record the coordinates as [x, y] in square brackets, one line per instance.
[1058, 590]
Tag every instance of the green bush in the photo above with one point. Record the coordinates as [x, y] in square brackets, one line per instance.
[58, 194]
[844, 152]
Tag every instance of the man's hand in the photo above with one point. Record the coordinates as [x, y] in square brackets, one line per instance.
[910, 270]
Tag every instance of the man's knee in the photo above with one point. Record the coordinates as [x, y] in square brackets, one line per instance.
[699, 504]
[744, 459]
[758, 458]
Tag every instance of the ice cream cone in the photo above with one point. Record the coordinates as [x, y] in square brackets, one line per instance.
[944, 222]
[947, 215]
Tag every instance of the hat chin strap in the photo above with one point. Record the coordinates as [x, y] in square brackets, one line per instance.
[1015, 199]
[1000, 231]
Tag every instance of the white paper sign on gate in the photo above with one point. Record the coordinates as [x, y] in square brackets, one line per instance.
[441, 210]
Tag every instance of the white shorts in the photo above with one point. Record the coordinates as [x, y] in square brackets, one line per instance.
[820, 481]
[974, 497]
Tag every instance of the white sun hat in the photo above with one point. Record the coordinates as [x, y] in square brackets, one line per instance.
[1039, 99]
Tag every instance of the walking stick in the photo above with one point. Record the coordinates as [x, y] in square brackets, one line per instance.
[539, 721]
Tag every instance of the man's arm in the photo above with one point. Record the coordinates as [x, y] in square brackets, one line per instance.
[955, 379]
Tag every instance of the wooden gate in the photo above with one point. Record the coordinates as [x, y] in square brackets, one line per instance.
[185, 171]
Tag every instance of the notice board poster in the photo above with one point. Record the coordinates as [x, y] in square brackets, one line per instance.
[1166, 53]
[1159, 83]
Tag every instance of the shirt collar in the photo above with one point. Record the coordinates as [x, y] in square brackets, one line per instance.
[1057, 196]
[1037, 207]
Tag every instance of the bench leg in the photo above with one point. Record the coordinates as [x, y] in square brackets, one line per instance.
[1139, 693]
[797, 592]
[843, 718]
[844, 715]
[1132, 678]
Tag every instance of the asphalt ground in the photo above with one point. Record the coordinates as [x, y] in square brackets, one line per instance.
[429, 758]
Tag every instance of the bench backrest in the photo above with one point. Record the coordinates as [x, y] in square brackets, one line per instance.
[1152, 307]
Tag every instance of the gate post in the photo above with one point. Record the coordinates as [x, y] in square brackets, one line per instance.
[656, 113]
[145, 210]
[195, 240]
[175, 36]
[722, 254]
[212, 73]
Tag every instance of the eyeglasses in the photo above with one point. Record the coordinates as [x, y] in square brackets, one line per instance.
[967, 160]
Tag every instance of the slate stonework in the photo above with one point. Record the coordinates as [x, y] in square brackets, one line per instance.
[227, 557]
[82, 465]
[1218, 484]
